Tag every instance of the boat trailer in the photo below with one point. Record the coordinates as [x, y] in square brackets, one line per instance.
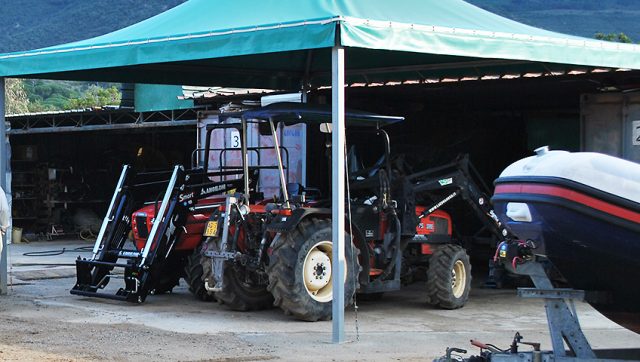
[567, 338]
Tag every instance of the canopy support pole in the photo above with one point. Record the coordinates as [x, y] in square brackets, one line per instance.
[337, 183]
[3, 184]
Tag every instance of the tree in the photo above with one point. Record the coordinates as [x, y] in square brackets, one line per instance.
[38, 106]
[619, 38]
[95, 97]
[15, 96]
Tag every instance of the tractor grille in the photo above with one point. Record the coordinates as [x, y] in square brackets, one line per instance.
[141, 224]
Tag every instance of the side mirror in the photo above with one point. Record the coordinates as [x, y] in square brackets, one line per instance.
[325, 127]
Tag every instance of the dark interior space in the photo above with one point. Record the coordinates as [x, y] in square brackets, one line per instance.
[62, 182]
[495, 122]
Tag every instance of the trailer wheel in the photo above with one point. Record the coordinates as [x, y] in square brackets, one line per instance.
[241, 292]
[449, 277]
[300, 271]
[195, 270]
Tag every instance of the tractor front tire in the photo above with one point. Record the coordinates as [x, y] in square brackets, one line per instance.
[195, 270]
[300, 271]
[240, 294]
[449, 277]
[167, 283]
[168, 276]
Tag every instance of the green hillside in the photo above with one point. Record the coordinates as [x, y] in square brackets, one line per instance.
[577, 17]
[28, 24]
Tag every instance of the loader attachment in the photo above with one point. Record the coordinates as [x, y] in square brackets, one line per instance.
[457, 180]
[115, 257]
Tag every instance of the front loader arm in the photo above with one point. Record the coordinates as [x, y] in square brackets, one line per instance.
[458, 179]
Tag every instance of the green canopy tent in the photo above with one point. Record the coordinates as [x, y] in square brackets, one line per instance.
[278, 43]
[293, 44]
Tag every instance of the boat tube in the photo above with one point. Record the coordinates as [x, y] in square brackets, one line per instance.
[582, 211]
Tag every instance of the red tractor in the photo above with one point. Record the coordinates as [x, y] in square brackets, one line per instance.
[153, 228]
[280, 252]
[213, 226]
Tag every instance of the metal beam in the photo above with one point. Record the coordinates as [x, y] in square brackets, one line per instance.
[205, 69]
[109, 127]
[3, 183]
[430, 67]
[337, 184]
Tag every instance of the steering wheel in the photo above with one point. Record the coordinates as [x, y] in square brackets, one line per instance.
[369, 171]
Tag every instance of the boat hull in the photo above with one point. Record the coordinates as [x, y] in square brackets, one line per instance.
[591, 237]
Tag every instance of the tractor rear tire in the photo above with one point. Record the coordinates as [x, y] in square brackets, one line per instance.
[298, 269]
[240, 295]
[195, 271]
[449, 277]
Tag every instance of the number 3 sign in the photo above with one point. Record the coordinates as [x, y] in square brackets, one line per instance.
[235, 139]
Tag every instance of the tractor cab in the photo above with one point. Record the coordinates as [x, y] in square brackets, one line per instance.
[269, 119]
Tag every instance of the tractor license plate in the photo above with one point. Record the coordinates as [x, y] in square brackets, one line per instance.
[211, 229]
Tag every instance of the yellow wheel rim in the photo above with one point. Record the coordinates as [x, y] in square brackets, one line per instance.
[458, 278]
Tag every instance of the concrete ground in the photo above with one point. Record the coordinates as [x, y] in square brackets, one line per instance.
[40, 320]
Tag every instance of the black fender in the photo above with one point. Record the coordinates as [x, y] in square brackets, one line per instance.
[286, 223]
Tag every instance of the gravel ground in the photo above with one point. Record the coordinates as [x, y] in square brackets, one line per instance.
[40, 320]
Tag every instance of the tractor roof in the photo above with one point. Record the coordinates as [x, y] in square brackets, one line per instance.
[291, 113]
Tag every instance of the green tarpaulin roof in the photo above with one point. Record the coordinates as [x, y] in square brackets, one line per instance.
[266, 43]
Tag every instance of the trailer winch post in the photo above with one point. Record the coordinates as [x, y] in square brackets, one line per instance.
[562, 320]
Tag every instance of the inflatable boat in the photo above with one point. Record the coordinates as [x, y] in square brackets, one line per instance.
[582, 211]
